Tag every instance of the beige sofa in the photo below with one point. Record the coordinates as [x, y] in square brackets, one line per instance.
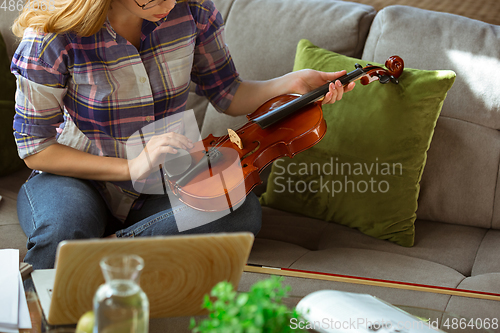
[457, 242]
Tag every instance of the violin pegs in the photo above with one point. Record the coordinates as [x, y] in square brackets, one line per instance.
[383, 79]
[365, 80]
[358, 66]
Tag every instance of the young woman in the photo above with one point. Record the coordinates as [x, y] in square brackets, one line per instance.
[90, 73]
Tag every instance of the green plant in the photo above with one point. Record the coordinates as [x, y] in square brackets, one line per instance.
[259, 311]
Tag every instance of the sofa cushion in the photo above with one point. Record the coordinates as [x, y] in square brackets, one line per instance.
[462, 248]
[461, 176]
[365, 172]
[363, 263]
[301, 287]
[378, 265]
[268, 25]
[487, 255]
[262, 36]
[223, 6]
[454, 246]
[459, 183]
[478, 309]
[466, 46]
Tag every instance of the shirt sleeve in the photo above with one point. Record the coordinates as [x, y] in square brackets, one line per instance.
[213, 69]
[41, 73]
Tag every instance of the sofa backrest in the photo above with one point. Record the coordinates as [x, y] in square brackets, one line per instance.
[460, 180]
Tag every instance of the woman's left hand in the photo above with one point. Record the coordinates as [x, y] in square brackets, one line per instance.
[306, 80]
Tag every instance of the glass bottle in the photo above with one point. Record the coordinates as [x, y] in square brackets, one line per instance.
[120, 305]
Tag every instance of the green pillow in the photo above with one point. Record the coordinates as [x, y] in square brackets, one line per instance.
[365, 172]
[9, 159]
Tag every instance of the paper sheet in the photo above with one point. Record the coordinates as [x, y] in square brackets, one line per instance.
[9, 289]
[14, 312]
[24, 321]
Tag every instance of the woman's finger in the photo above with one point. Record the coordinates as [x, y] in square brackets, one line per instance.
[350, 87]
[176, 143]
[331, 95]
[339, 89]
[177, 140]
[332, 76]
[163, 150]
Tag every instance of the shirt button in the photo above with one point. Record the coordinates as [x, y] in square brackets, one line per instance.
[142, 79]
[148, 118]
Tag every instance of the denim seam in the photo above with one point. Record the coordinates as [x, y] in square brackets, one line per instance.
[28, 196]
[140, 229]
[30, 202]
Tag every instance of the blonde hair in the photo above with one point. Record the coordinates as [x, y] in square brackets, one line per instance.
[83, 17]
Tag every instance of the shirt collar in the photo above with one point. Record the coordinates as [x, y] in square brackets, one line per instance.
[109, 28]
[147, 27]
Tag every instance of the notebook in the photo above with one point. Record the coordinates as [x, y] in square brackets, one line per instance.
[178, 272]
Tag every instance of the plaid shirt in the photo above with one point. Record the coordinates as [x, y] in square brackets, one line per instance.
[92, 93]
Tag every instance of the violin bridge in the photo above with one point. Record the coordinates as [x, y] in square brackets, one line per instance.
[235, 138]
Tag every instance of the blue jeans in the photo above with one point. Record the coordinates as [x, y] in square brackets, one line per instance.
[54, 208]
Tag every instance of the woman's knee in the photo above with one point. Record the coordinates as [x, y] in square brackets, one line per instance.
[246, 217]
[55, 208]
[249, 214]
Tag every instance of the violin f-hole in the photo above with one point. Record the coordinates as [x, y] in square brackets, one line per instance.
[251, 152]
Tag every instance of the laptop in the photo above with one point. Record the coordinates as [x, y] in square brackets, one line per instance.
[178, 272]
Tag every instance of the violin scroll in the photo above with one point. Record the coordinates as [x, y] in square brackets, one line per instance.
[395, 67]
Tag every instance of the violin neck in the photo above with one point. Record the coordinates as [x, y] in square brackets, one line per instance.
[287, 109]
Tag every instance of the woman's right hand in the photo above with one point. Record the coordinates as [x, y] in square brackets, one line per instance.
[155, 153]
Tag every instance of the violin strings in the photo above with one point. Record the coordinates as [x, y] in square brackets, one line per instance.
[225, 138]
[242, 125]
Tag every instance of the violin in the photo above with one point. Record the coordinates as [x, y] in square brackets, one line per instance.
[223, 170]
